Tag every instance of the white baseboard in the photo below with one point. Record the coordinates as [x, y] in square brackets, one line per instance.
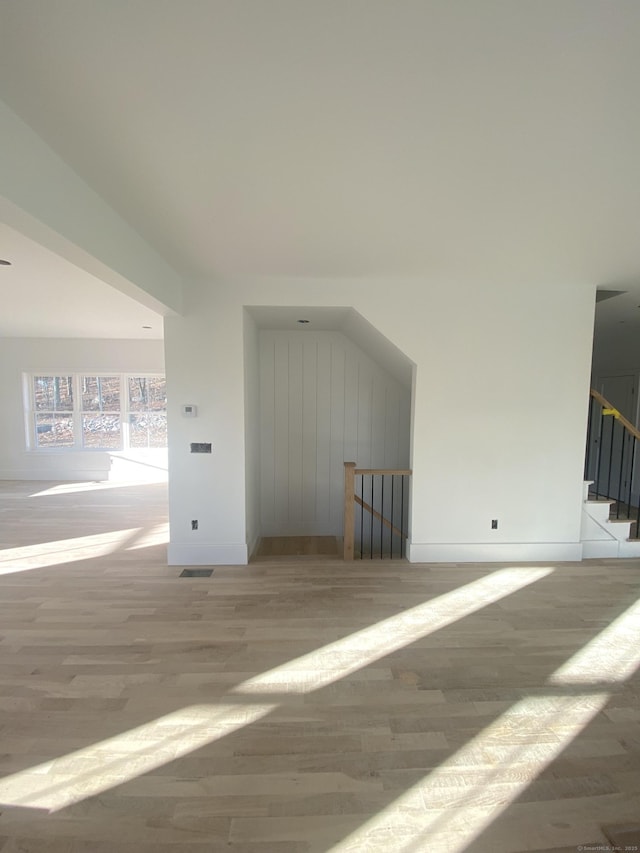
[593, 549]
[502, 552]
[616, 548]
[232, 554]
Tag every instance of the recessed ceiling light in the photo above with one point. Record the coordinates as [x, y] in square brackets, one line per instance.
[5, 263]
[303, 321]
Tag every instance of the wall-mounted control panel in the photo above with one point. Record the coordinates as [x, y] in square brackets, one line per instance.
[200, 447]
[189, 411]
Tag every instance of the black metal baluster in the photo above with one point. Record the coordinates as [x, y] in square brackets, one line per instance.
[381, 512]
[371, 525]
[633, 459]
[613, 432]
[620, 498]
[618, 501]
[402, 519]
[392, 522]
[361, 513]
[587, 454]
[599, 455]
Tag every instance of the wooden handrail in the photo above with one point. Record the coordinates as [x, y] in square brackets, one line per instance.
[616, 414]
[380, 470]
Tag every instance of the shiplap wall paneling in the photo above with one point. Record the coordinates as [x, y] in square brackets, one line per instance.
[309, 432]
[324, 443]
[281, 442]
[293, 385]
[340, 450]
[322, 401]
[267, 418]
[364, 425]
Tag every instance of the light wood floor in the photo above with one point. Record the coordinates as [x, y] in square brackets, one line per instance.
[302, 707]
[325, 547]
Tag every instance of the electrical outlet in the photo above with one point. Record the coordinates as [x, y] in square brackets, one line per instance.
[494, 523]
[194, 524]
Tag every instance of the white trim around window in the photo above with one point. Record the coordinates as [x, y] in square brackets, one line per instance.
[67, 411]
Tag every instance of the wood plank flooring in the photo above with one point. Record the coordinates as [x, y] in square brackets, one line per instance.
[327, 547]
[302, 707]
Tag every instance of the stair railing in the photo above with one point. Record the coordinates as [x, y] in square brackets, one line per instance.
[376, 514]
[611, 458]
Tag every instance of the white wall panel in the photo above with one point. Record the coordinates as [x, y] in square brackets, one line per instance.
[324, 435]
[322, 402]
[252, 431]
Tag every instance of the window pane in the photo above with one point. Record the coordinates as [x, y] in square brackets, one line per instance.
[53, 393]
[147, 392]
[54, 430]
[149, 430]
[102, 431]
[100, 393]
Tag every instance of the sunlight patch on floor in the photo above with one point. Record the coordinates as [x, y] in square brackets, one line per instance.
[75, 777]
[156, 535]
[451, 806]
[613, 655]
[86, 772]
[28, 557]
[73, 488]
[446, 810]
[343, 657]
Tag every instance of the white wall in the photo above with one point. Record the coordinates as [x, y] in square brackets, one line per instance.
[323, 401]
[500, 408]
[20, 355]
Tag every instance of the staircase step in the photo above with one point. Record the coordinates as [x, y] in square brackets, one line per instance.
[603, 535]
[599, 510]
[619, 528]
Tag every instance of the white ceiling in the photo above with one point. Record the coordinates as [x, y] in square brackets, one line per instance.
[44, 295]
[444, 138]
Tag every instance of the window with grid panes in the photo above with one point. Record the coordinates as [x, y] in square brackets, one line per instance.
[97, 411]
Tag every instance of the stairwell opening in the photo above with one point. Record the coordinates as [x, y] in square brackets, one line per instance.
[317, 394]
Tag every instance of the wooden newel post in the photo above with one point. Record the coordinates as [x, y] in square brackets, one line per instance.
[349, 504]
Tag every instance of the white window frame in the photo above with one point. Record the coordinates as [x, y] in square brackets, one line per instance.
[77, 412]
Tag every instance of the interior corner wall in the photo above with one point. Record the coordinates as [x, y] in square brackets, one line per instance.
[323, 401]
[29, 355]
[499, 410]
